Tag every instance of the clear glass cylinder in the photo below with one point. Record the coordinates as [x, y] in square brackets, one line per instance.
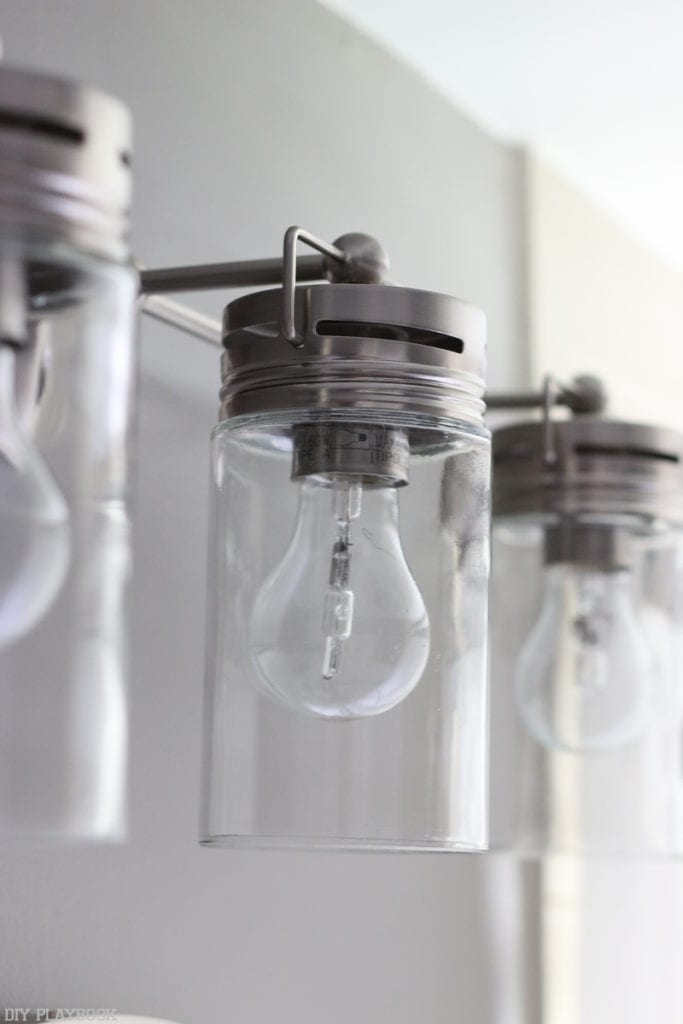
[64, 543]
[346, 700]
[587, 692]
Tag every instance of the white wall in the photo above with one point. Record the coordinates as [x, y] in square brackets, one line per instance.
[251, 116]
[602, 302]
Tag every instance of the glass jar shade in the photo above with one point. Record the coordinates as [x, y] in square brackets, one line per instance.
[587, 703]
[67, 298]
[346, 695]
[64, 566]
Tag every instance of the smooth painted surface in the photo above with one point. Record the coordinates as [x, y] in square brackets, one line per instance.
[594, 88]
[601, 302]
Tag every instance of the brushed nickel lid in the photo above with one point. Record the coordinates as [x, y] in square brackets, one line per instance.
[364, 347]
[600, 466]
[65, 154]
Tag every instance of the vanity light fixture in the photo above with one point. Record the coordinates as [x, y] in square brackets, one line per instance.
[67, 302]
[588, 520]
[348, 560]
[346, 700]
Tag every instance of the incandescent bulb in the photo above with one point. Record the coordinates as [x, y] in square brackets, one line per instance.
[584, 678]
[34, 520]
[339, 629]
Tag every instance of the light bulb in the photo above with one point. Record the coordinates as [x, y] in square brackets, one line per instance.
[34, 520]
[584, 678]
[339, 629]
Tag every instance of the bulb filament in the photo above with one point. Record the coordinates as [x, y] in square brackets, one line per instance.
[338, 603]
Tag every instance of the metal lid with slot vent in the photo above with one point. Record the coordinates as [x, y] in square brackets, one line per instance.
[599, 467]
[363, 346]
[64, 164]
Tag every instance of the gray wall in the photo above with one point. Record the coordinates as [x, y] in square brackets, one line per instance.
[251, 116]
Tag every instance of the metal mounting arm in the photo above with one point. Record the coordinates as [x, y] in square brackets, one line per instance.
[185, 318]
[354, 257]
[238, 274]
[583, 395]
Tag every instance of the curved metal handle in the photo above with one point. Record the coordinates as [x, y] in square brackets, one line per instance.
[294, 235]
[362, 260]
[583, 396]
[552, 389]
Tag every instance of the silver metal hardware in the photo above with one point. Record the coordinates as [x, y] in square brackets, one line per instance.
[551, 392]
[64, 168]
[353, 343]
[602, 468]
[238, 274]
[294, 235]
[186, 319]
[65, 184]
[377, 453]
[585, 395]
[353, 258]
[597, 546]
[363, 346]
